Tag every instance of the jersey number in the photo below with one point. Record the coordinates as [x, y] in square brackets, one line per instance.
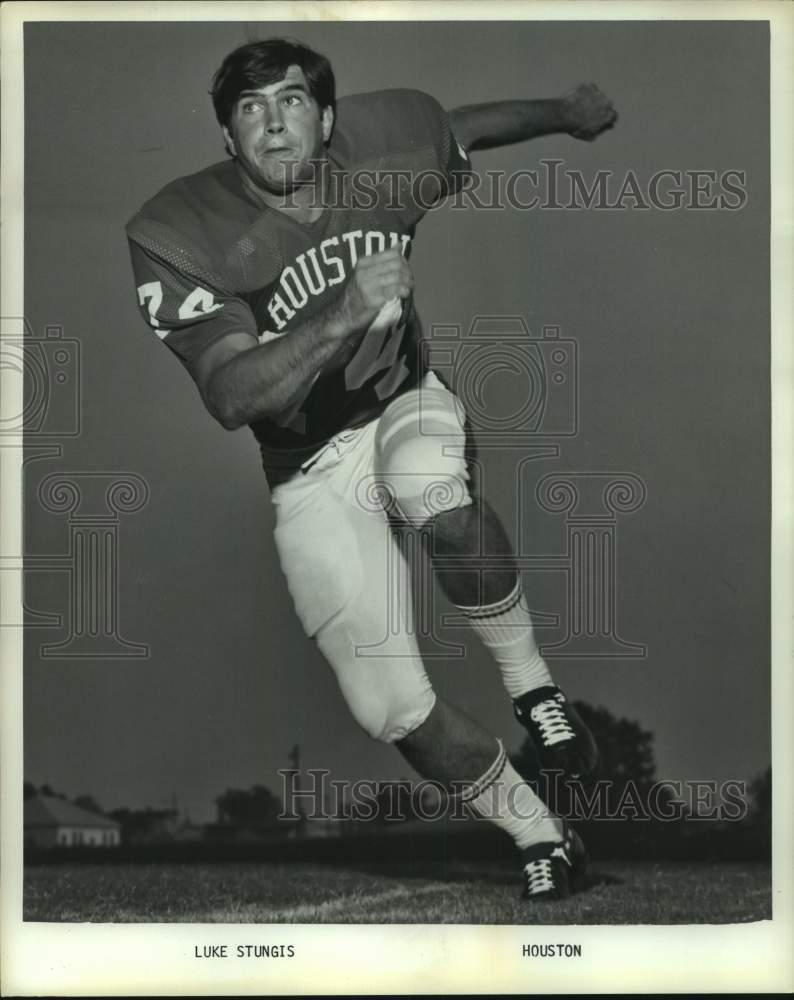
[153, 292]
[200, 302]
[378, 350]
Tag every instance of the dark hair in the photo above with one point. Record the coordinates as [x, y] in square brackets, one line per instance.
[260, 63]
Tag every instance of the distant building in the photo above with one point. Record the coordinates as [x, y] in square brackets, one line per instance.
[148, 826]
[53, 822]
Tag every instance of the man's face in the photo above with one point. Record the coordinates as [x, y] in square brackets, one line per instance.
[276, 130]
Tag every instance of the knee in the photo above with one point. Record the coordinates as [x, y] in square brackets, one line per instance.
[420, 455]
[401, 720]
[388, 697]
[389, 722]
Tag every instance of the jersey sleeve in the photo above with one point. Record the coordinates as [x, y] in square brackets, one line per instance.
[423, 125]
[408, 133]
[183, 305]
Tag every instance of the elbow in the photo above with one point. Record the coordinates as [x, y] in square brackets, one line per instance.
[233, 408]
[228, 416]
[228, 421]
[222, 406]
[232, 413]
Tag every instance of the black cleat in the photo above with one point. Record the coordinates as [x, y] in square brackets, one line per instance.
[562, 741]
[554, 870]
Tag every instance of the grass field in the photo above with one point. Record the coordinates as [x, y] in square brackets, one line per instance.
[470, 893]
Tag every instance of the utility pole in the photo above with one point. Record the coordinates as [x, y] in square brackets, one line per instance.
[294, 758]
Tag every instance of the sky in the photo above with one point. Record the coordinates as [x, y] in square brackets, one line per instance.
[669, 313]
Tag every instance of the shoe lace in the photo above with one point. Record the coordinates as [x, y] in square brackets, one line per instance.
[552, 722]
[539, 876]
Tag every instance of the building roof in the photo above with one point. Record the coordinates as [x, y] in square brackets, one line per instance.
[48, 810]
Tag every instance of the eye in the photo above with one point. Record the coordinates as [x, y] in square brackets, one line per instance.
[250, 107]
[292, 99]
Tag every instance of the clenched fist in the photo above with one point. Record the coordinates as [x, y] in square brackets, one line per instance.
[588, 111]
[375, 280]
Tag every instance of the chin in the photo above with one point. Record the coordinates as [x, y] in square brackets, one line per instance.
[283, 181]
[269, 184]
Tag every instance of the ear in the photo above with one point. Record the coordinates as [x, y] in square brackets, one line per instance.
[227, 138]
[328, 123]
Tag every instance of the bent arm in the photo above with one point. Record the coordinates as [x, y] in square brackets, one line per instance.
[242, 381]
[583, 113]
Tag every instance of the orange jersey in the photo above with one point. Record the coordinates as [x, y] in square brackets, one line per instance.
[210, 261]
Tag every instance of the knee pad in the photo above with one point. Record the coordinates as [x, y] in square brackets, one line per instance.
[420, 460]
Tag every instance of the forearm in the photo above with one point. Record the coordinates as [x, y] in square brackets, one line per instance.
[584, 113]
[262, 382]
[241, 383]
[484, 126]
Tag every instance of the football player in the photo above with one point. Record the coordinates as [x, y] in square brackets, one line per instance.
[281, 279]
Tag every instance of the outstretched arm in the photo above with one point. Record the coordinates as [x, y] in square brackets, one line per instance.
[583, 113]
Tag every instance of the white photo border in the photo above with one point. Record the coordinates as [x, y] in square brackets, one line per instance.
[112, 959]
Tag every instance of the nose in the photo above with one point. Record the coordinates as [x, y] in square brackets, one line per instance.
[275, 121]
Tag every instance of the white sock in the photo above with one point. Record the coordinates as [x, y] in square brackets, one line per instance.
[506, 629]
[502, 796]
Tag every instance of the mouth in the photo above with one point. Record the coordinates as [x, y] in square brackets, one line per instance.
[276, 151]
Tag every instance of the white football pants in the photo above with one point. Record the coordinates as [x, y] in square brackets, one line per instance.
[345, 569]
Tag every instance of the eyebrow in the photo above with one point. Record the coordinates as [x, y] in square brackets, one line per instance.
[257, 93]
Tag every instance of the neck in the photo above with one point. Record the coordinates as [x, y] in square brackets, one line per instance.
[304, 203]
